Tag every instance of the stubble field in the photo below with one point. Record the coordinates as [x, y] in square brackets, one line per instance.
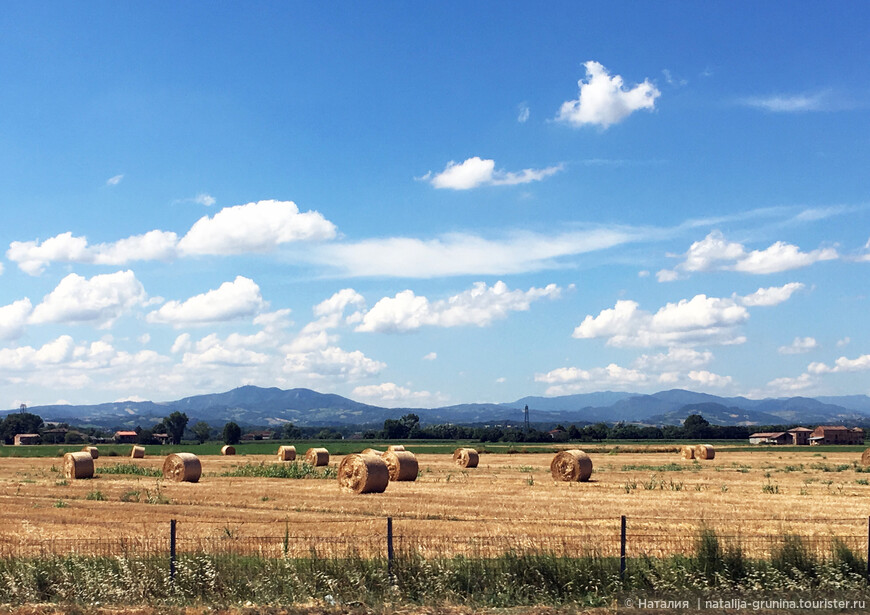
[509, 500]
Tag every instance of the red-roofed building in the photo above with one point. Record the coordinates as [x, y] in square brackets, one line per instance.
[126, 437]
[837, 434]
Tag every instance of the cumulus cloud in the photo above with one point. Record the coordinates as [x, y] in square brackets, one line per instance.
[476, 172]
[772, 295]
[390, 394]
[843, 364]
[464, 254]
[568, 380]
[332, 362]
[13, 318]
[235, 351]
[604, 100]
[791, 385]
[675, 358]
[707, 379]
[714, 252]
[255, 227]
[240, 298]
[698, 320]
[100, 300]
[799, 345]
[478, 306]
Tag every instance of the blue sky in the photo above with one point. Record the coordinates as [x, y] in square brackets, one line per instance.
[421, 205]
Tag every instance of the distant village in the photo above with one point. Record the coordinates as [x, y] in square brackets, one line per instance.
[823, 434]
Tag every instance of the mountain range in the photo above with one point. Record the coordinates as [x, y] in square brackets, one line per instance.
[251, 405]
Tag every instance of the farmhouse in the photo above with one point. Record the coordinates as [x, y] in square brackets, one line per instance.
[797, 435]
[22, 439]
[125, 437]
[836, 434]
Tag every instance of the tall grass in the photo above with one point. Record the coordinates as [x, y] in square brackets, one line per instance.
[130, 469]
[293, 469]
[509, 580]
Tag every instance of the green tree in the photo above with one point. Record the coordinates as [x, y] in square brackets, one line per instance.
[201, 431]
[73, 437]
[696, 426]
[291, 432]
[232, 433]
[19, 422]
[175, 424]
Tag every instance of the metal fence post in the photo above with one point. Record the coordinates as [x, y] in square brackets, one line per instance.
[622, 549]
[390, 546]
[172, 550]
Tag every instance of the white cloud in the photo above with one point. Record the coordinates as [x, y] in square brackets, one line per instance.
[799, 345]
[153, 245]
[204, 199]
[240, 298]
[523, 113]
[115, 180]
[567, 380]
[390, 394]
[842, 364]
[478, 306]
[604, 100]
[676, 357]
[789, 103]
[843, 342]
[714, 252]
[462, 254]
[430, 357]
[254, 227]
[791, 385]
[699, 320]
[32, 257]
[332, 362]
[707, 379]
[100, 300]
[13, 318]
[182, 343]
[773, 295]
[476, 172]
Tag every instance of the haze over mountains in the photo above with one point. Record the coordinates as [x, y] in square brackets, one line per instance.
[251, 405]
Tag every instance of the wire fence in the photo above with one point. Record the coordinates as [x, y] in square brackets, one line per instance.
[391, 538]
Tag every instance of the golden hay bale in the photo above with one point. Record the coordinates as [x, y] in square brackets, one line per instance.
[363, 474]
[466, 457]
[138, 452]
[182, 467]
[573, 465]
[78, 465]
[371, 451]
[704, 451]
[402, 465]
[396, 447]
[286, 453]
[688, 452]
[93, 450]
[228, 449]
[317, 456]
[865, 458]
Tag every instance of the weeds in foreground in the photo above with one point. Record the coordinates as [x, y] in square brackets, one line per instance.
[293, 469]
[131, 469]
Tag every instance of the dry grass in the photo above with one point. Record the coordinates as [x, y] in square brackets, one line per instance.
[665, 507]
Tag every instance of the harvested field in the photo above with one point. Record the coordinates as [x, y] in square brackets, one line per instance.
[507, 500]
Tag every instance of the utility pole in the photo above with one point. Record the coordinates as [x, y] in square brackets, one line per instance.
[526, 419]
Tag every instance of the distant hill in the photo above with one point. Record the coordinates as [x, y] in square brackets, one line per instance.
[251, 405]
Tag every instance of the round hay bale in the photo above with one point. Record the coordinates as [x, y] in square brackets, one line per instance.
[138, 452]
[402, 465]
[182, 467]
[228, 449]
[570, 466]
[286, 453]
[371, 451]
[704, 451]
[865, 458]
[317, 456]
[687, 452]
[93, 450]
[78, 465]
[396, 447]
[363, 474]
[466, 457]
